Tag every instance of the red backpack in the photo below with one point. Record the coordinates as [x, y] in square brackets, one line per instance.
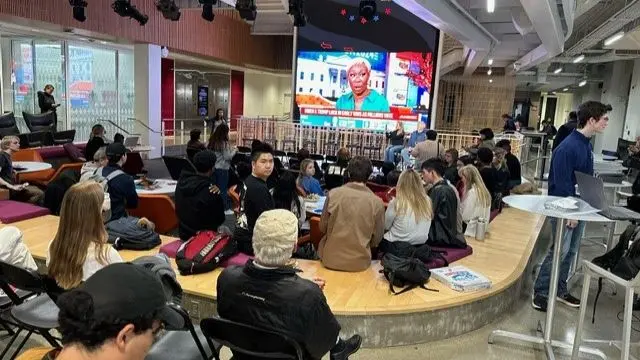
[204, 252]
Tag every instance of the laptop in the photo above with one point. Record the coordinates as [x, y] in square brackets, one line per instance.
[131, 141]
[592, 191]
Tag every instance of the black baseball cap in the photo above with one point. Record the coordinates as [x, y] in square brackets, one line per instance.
[126, 291]
[115, 150]
[204, 160]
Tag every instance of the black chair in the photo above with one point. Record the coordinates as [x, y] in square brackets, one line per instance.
[40, 122]
[333, 181]
[38, 315]
[176, 343]
[251, 341]
[8, 125]
[331, 158]
[176, 165]
[244, 149]
[317, 157]
[63, 137]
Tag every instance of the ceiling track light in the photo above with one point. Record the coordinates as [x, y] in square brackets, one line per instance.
[169, 9]
[578, 59]
[207, 9]
[78, 9]
[125, 9]
[565, 89]
[296, 9]
[490, 80]
[489, 72]
[491, 6]
[247, 9]
[557, 71]
[582, 83]
[612, 39]
[490, 62]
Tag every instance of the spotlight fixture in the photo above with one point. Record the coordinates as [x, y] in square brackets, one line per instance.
[578, 59]
[296, 9]
[367, 9]
[207, 9]
[565, 89]
[490, 62]
[247, 9]
[613, 38]
[489, 72]
[169, 9]
[490, 80]
[491, 6]
[582, 83]
[78, 9]
[125, 9]
[557, 71]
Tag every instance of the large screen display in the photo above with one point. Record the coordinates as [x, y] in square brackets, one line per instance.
[358, 73]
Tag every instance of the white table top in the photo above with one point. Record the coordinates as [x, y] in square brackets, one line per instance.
[142, 148]
[30, 166]
[167, 187]
[536, 204]
[315, 207]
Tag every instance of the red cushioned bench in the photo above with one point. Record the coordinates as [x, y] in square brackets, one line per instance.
[450, 254]
[14, 211]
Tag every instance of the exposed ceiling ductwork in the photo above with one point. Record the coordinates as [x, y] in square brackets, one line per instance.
[553, 22]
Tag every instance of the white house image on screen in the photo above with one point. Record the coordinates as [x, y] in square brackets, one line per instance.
[327, 77]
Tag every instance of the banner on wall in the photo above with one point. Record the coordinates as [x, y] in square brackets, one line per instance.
[203, 100]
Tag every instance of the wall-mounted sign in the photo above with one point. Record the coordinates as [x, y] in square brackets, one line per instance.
[203, 100]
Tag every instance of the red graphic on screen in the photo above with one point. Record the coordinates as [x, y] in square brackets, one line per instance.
[343, 12]
[348, 48]
[387, 11]
[363, 20]
[326, 45]
[424, 74]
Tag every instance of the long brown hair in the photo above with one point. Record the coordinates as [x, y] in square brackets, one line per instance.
[80, 225]
[410, 195]
[219, 139]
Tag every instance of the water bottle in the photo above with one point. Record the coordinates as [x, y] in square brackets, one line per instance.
[481, 229]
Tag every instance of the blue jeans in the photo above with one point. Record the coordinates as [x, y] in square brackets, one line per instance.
[390, 153]
[406, 156]
[222, 181]
[570, 244]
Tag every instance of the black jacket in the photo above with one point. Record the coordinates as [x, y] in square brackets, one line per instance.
[515, 170]
[45, 102]
[395, 138]
[444, 226]
[281, 301]
[196, 207]
[93, 145]
[122, 191]
[563, 132]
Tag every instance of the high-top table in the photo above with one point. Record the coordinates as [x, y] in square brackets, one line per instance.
[22, 167]
[536, 204]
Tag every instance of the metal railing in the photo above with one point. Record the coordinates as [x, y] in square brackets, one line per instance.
[289, 137]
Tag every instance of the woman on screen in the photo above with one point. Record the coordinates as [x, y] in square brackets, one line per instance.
[361, 97]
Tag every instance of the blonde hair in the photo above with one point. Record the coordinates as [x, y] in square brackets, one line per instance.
[410, 195]
[472, 175]
[100, 155]
[274, 237]
[5, 143]
[81, 225]
[499, 154]
[303, 168]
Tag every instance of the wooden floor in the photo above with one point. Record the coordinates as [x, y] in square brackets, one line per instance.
[502, 257]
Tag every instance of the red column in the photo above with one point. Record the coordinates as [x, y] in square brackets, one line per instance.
[168, 93]
[237, 97]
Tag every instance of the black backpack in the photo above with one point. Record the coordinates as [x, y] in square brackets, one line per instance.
[623, 260]
[423, 252]
[125, 233]
[409, 273]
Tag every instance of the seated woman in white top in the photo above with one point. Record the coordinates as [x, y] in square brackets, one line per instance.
[408, 216]
[476, 200]
[80, 246]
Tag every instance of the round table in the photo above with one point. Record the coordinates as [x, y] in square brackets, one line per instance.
[166, 187]
[315, 207]
[30, 166]
[536, 204]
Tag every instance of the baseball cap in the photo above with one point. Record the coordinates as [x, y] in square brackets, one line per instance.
[126, 291]
[116, 149]
[204, 160]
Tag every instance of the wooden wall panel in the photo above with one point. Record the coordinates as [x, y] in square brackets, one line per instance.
[227, 38]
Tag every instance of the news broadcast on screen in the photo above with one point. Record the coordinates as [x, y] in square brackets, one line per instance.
[362, 80]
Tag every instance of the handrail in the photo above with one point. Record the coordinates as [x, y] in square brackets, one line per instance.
[118, 126]
[146, 126]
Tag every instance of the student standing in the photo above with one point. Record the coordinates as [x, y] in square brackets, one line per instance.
[575, 153]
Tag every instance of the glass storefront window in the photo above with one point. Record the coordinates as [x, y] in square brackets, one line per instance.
[93, 91]
[22, 79]
[126, 90]
[49, 65]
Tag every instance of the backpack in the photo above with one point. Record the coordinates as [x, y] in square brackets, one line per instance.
[623, 260]
[125, 233]
[423, 252]
[409, 273]
[204, 252]
[96, 176]
[159, 264]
